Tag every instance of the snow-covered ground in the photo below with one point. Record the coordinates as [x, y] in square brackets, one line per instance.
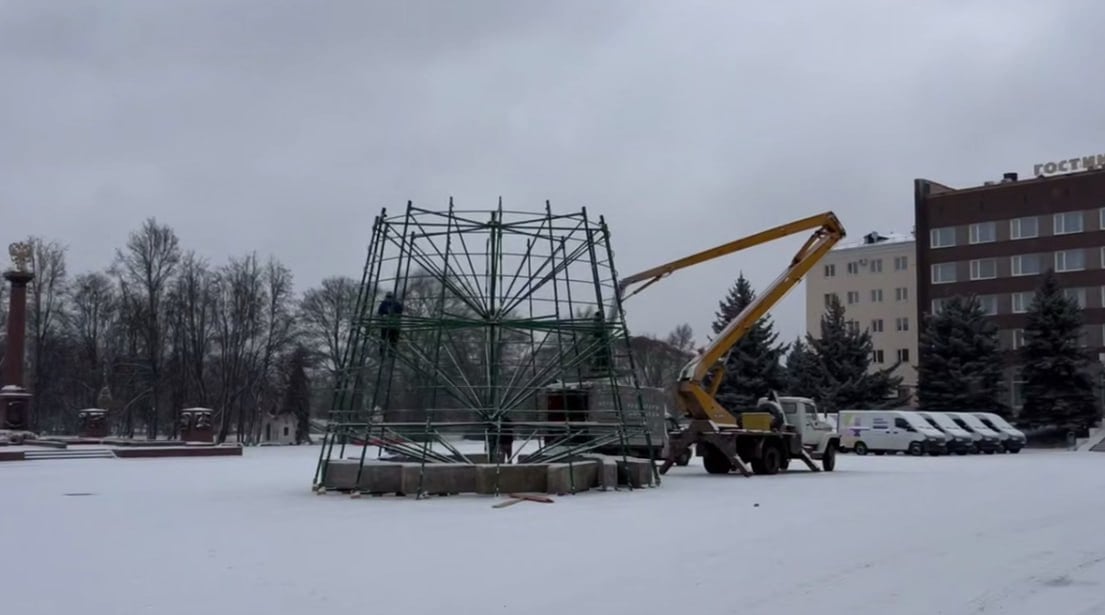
[948, 535]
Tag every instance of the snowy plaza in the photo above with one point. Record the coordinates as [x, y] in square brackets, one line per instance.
[895, 534]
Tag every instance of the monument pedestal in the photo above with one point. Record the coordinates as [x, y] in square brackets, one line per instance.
[196, 425]
[92, 423]
[15, 405]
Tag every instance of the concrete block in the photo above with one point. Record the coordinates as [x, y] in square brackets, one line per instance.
[381, 477]
[339, 474]
[606, 472]
[436, 478]
[511, 478]
[572, 477]
[635, 472]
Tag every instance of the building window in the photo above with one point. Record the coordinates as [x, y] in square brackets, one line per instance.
[1024, 228]
[1017, 392]
[984, 232]
[876, 325]
[876, 295]
[853, 326]
[853, 268]
[877, 356]
[285, 431]
[830, 271]
[937, 305]
[1018, 338]
[902, 262]
[903, 355]
[1021, 302]
[989, 304]
[876, 265]
[1068, 222]
[1070, 260]
[829, 299]
[984, 269]
[1101, 219]
[943, 273]
[942, 237]
[901, 323]
[901, 294]
[853, 297]
[1025, 264]
[1078, 295]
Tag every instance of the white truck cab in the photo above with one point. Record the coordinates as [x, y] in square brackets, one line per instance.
[989, 441]
[817, 433]
[889, 431]
[1012, 439]
[960, 441]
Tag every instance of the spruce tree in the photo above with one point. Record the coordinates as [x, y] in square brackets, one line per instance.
[297, 393]
[753, 368]
[802, 370]
[843, 359]
[1058, 387]
[960, 360]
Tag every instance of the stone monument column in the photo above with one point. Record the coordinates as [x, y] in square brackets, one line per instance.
[14, 399]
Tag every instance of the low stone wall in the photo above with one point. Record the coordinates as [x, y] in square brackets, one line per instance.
[179, 451]
[410, 478]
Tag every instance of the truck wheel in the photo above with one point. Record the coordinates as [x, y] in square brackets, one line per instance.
[828, 458]
[860, 448]
[916, 449]
[716, 462]
[1014, 451]
[770, 461]
[684, 458]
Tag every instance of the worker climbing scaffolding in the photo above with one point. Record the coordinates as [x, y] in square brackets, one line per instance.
[600, 339]
[390, 311]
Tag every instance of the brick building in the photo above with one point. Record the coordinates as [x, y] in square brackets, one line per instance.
[995, 241]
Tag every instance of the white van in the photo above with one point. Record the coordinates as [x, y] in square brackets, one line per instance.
[989, 441]
[1012, 439]
[960, 441]
[889, 431]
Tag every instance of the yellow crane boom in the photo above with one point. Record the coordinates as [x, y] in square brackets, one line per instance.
[695, 395]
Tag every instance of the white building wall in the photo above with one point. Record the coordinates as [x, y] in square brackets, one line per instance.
[877, 285]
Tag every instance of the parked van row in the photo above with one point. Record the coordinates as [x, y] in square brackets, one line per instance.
[934, 433]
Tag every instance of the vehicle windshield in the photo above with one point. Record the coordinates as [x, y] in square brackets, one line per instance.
[973, 421]
[942, 421]
[917, 421]
[962, 424]
[932, 421]
[998, 422]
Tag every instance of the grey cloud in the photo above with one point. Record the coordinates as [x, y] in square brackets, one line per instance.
[285, 126]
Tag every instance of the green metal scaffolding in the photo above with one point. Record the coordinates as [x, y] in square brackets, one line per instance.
[511, 345]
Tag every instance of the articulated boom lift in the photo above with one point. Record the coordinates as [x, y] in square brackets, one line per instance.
[724, 438]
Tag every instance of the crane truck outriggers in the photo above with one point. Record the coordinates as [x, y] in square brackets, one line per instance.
[762, 438]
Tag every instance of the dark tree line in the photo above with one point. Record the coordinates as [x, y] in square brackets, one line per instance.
[161, 329]
[962, 361]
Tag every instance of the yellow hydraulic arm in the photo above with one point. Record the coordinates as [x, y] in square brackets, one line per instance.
[697, 399]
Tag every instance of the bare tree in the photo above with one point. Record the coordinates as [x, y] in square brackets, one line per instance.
[327, 315]
[94, 308]
[145, 269]
[239, 322]
[279, 334]
[46, 319]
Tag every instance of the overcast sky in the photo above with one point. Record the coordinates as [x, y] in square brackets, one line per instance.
[284, 126]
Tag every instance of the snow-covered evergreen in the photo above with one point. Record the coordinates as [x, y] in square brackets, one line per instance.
[960, 360]
[1058, 386]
